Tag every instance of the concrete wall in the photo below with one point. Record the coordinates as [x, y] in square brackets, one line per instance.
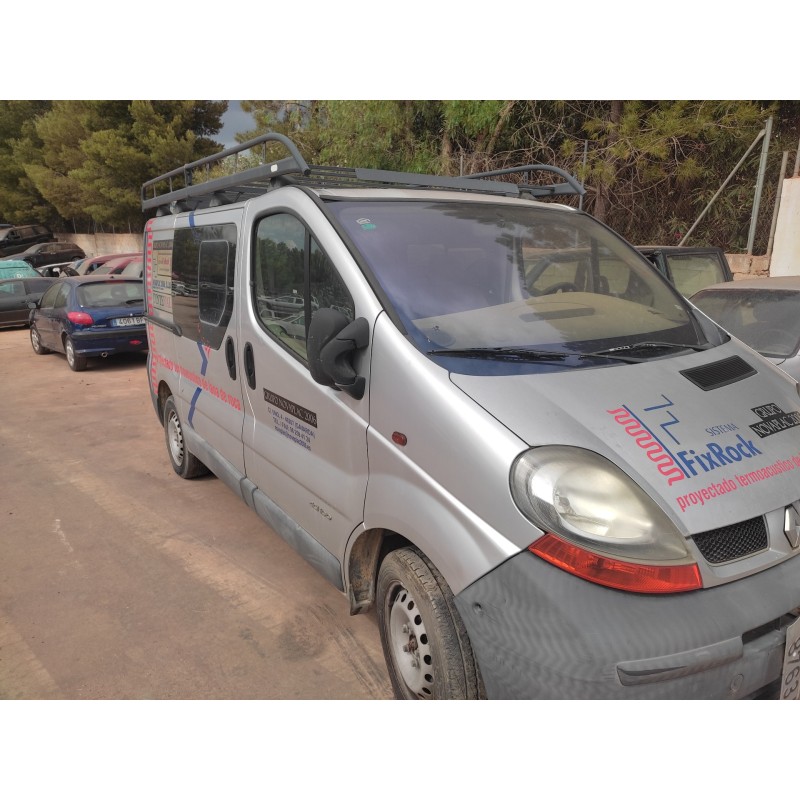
[744, 266]
[100, 244]
[786, 248]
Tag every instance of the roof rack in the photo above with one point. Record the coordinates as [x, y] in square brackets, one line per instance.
[177, 190]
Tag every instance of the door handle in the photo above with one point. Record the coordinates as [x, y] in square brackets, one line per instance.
[230, 358]
[250, 365]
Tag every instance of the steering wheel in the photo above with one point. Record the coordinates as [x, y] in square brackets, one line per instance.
[563, 286]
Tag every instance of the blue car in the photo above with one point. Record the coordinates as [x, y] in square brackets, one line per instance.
[89, 316]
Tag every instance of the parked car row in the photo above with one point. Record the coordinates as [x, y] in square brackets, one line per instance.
[44, 253]
[83, 316]
[87, 266]
[16, 238]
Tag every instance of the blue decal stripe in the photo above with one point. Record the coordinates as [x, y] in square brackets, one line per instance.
[192, 405]
[665, 425]
[672, 455]
[204, 363]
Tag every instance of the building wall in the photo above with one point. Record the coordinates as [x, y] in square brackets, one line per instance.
[786, 248]
[100, 244]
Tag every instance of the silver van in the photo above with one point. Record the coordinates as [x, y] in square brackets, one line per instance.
[549, 475]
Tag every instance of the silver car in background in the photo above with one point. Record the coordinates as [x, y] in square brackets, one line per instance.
[763, 312]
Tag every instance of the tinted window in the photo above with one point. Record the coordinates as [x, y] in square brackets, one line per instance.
[48, 298]
[475, 277]
[292, 278]
[112, 293]
[61, 297]
[202, 256]
[12, 287]
[37, 285]
[213, 289]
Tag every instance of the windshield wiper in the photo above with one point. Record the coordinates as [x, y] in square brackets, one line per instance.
[501, 353]
[613, 352]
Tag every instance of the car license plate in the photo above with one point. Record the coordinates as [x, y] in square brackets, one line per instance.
[124, 322]
[790, 683]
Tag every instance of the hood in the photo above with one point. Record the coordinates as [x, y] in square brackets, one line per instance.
[713, 437]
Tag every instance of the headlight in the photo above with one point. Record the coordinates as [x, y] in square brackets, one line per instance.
[608, 522]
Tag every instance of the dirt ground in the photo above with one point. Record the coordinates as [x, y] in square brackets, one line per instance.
[120, 580]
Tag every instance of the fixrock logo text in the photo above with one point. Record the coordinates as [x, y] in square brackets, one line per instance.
[715, 455]
[655, 430]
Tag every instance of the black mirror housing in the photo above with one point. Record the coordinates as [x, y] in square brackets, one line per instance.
[332, 340]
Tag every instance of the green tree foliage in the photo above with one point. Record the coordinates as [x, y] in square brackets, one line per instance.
[649, 167]
[19, 200]
[87, 159]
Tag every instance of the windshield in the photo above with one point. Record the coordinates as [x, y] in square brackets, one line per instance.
[767, 321]
[504, 279]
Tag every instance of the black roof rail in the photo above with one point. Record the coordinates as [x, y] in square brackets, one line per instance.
[177, 190]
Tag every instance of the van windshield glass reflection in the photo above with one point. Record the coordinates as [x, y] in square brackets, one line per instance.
[463, 275]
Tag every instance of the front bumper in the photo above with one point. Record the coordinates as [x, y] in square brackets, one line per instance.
[540, 633]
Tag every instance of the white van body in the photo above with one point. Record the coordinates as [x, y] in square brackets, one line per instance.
[532, 516]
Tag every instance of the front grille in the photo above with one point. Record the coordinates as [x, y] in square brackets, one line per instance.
[733, 541]
[720, 373]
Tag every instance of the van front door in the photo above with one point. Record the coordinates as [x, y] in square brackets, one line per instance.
[305, 444]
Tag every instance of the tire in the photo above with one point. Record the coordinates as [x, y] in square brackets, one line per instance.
[36, 343]
[427, 649]
[76, 363]
[183, 462]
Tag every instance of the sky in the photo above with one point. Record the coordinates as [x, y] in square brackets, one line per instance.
[234, 121]
[580, 50]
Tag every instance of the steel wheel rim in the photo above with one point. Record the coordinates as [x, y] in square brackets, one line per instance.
[175, 438]
[35, 339]
[409, 643]
[70, 353]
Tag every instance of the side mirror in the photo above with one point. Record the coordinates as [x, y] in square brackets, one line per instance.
[332, 340]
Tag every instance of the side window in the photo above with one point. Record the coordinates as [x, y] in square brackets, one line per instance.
[292, 278]
[61, 297]
[49, 297]
[203, 266]
[12, 287]
[327, 288]
[213, 282]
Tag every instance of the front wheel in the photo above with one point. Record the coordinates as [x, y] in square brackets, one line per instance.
[76, 363]
[427, 649]
[183, 462]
